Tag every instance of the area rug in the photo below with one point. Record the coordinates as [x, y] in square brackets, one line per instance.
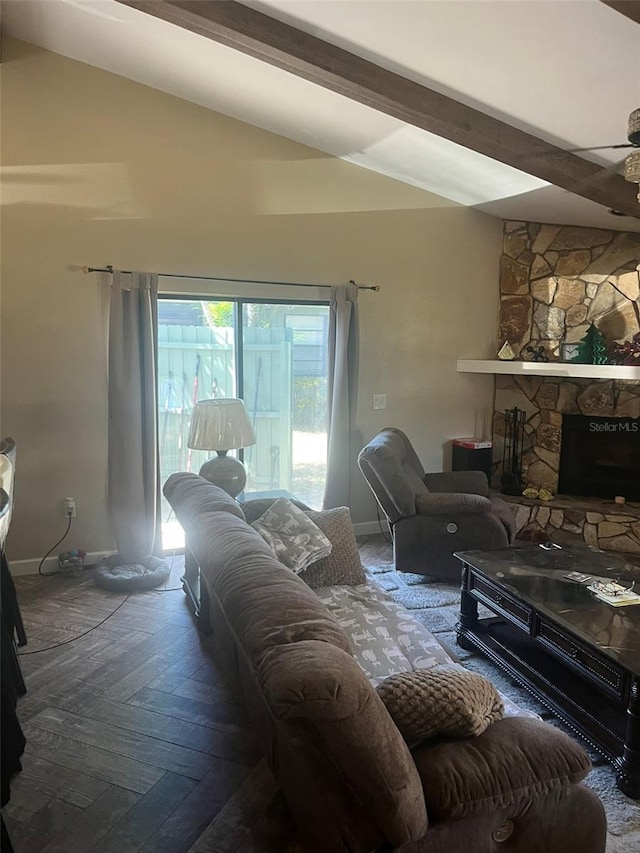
[436, 606]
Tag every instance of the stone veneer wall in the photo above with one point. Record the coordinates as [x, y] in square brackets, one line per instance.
[554, 281]
[601, 524]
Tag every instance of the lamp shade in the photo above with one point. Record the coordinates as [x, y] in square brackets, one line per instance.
[220, 425]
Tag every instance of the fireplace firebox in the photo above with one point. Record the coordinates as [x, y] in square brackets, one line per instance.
[600, 457]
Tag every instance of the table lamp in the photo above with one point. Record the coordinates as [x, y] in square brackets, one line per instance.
[221, 425]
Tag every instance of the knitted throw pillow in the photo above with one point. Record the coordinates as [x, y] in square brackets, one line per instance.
[445, 700]
[342, 566]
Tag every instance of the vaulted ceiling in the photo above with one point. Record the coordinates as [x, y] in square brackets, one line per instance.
[480, 101]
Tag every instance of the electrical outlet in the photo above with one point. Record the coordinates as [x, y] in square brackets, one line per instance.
[379, 401]
[69, 507]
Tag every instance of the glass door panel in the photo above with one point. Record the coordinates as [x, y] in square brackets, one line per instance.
[276, 361]
[284, 386]
[196, 361]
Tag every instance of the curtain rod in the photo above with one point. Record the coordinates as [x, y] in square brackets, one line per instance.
[109, 269]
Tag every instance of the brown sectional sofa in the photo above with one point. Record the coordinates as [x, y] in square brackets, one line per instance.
[349, 778]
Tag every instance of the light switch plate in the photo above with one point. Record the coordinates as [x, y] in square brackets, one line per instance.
[379, 401]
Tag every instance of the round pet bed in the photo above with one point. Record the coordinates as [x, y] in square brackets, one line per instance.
[115, 574]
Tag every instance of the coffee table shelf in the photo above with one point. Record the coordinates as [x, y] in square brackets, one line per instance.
[565, 693]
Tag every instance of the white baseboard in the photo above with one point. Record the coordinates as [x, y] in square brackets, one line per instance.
[364, 528]
[19, 568]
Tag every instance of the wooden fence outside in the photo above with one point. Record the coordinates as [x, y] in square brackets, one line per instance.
[197, 363]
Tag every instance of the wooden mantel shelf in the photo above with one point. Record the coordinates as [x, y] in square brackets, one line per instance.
[549, 368]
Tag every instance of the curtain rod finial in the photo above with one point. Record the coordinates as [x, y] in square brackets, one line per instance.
[107, 268]
[376, 288]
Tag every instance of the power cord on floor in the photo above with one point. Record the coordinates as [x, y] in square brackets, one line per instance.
[73, 639]
[59, 542]
[102, 621]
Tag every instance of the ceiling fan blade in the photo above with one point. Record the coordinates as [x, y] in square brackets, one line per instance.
[600, 148]
[560, 151]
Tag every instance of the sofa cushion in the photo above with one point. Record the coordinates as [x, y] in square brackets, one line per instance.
[515, 761]
[394, 472]
[470, 482]
[446, 700]
[342, 566]
[265, 602]
[295, 539]
[268, 605]
[385, 638]
[452, 504]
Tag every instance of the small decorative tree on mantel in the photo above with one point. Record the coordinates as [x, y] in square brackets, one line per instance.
[592, 349]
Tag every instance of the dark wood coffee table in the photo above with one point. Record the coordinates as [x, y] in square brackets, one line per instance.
[576, 654]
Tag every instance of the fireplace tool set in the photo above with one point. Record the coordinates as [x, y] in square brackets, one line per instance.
[511, 482]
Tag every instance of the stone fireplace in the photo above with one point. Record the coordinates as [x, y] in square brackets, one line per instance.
[546, 401]
[555, 281]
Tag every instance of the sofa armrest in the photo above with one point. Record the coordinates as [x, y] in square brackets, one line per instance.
[452, 503]
[514, 762]
[471, 482]
[505, 513]
[317, 685]
[195, 495]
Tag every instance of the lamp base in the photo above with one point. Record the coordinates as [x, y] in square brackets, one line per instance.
[226, 472]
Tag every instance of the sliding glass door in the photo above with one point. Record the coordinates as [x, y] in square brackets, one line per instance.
[271, 354]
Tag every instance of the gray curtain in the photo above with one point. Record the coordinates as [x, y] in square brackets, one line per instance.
[342, 393]
[134, 493]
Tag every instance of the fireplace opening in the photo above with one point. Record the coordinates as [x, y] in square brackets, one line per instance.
[600, 457]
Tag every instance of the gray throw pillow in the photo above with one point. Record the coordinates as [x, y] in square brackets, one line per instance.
[293, 536]
[445, 700]
[342, 566]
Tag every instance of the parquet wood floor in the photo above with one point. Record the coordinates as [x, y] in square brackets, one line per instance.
[137, 740]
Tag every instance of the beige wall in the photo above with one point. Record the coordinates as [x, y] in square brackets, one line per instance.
[102, 170]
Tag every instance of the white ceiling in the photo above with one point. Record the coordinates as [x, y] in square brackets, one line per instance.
[566, 71]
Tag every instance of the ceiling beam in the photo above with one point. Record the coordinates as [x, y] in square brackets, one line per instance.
[269, 40]
[629, 8]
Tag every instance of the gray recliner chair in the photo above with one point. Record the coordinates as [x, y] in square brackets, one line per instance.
[432, 515]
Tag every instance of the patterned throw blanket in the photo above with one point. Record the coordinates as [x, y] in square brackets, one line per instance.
[387, 638]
